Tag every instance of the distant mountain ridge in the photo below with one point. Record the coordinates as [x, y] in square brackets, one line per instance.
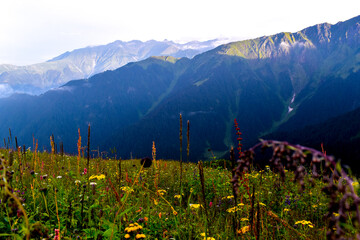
[86, 62]
[278, 83]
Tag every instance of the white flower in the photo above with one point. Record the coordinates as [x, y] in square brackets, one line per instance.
[59, 177]
[93, 183]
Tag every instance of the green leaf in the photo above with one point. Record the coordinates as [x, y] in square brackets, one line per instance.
[338, 166]
[108, 232]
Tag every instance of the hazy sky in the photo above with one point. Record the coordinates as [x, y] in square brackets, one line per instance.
[33, 31]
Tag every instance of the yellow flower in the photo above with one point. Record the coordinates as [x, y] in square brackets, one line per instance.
[262, 204]
[228, 197]
[161, 192]
[304, 222]
[233, 209]
[127, 235]
[336, 214]
[244, 219]
[244, 230]
[208, 238]
[127, 189]
[175, 213]
[286, 210]
[98, 177]
[177, 196]
[194, 206]
[138, 236]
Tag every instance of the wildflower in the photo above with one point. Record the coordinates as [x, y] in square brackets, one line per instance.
[59, 177]
[336, 214]
[92, 183]
[314, 206]
[160, 215]
[287, 200]
[77, 182]
[161, 192]
[138, 236]
[233, 209]
[127, 189]
[57, 233]
[175, 213]
[127, 235]
[228, 197]
[208, 238]
[85, 171]
[286, 210]
[195, 206]
[210, 204]
[133, 227]
[177, 196]
[244, 230]
[304, 222]
[98, 177]
[244, 219]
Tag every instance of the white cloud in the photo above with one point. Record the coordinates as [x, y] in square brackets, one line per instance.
[284, 45]
[5, 90]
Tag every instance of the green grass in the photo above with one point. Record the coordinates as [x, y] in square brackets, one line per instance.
[102, 204]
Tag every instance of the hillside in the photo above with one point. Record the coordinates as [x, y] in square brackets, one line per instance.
[86, 62]
[284, 81]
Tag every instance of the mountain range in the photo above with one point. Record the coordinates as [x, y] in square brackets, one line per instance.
[85, 62]
[287, 85]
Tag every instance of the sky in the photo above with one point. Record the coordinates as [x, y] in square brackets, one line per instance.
[38, 30]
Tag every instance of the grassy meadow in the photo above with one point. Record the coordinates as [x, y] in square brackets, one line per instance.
[56, 196]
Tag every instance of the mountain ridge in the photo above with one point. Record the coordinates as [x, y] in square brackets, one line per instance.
[85, 62]
[140, 102]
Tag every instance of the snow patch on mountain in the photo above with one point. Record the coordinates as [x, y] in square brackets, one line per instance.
[86, 62]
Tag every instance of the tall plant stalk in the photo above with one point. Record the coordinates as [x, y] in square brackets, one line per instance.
[88, 149]
[188, 141]
[180, 138]
[79, 153]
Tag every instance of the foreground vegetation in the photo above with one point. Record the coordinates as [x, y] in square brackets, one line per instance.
[48, 195]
